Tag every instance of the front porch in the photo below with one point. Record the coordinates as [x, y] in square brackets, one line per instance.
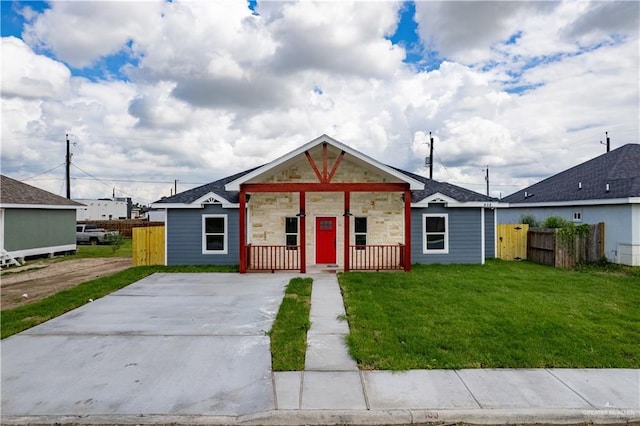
[360, 258]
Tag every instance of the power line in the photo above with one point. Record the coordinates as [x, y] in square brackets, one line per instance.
[108, 185]
[40, 174]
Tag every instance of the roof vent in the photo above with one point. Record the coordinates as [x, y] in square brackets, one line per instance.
[607, 188]
[579, 185]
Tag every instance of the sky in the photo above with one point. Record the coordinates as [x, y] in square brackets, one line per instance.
[151, 92]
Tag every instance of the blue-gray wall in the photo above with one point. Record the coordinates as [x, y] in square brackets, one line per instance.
[620, 221]
[465, 235]
[489, 233]
[184, 237]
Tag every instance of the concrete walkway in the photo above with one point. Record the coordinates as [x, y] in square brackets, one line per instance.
[192, 349]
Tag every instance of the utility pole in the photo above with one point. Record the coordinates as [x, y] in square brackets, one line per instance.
[430, 156]
[175, 186]
[68, 163]
[486, 178]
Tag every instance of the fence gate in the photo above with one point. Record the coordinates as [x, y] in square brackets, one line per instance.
[148, 246]
[512, 241]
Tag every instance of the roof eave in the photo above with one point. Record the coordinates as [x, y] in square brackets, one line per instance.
[414, 185]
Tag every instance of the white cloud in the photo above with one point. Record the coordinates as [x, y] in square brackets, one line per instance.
[28, 75]
[81, 32]
[215, 89]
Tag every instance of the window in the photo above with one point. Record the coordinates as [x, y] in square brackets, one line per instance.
[436, 233]
[577, 216]
[360, 231]
[291, 232]
[214, 234]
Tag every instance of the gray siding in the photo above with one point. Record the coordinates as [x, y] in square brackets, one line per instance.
[464, 236]
[489, 233]
[35, 228]
[184, 237]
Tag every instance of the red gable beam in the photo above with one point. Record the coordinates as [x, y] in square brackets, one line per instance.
[324, 177]
[335, 166]
[324, 187]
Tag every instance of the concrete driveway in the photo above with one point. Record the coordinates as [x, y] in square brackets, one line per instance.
[176, 344]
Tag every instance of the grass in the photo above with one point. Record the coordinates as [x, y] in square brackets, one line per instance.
[498, 315]
[88, 251]
[289, 331]
[21, 318]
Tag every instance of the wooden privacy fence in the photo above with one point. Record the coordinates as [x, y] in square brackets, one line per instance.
[512, 241]
[123, 226]
[546, 246]
[148, 246]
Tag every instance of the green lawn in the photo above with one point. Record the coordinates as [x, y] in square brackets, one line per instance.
[103, 250]
[289, 332]
[502, 314]
[15, 320]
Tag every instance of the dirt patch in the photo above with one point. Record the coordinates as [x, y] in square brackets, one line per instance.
[40, 280]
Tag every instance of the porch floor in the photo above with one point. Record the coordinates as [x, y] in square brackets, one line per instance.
[324, 267]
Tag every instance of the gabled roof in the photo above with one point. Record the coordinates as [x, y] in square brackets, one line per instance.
[434, 188]
[216, 188]
[433, 191]
[226, 190]
[413, 183]
[16, 194]
[614, 175]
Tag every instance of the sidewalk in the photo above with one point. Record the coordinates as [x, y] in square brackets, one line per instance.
[333, 390]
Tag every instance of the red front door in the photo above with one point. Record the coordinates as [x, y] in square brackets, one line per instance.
[325, 240]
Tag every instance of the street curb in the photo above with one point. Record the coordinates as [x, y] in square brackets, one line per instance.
[353, 417]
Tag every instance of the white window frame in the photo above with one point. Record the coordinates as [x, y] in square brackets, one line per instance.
[446, 233]
[577, 216]
[297, 233]
[204, 234]
[355, 234]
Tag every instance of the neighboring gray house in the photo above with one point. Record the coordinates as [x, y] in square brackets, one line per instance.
[34, 222]
[329, 205]
[604, 189]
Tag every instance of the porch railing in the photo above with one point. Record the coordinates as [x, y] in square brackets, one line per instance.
[376, 257]
[273, 258]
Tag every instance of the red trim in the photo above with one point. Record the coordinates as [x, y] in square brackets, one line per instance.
[243, 229]
[313, 166]
[324, 163]
[326, 187]
[407, 231]
[347, 206]
[335, 166]
[303, 235]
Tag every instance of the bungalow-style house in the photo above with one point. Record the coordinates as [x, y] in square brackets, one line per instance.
[604, 189]
[327, 204]
[34, 222]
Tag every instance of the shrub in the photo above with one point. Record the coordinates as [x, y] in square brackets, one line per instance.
[529, 219]
[556, 222]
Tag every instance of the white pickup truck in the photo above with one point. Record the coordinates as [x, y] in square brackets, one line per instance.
[90, 234]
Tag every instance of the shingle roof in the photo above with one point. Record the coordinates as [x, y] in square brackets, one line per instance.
[16, 192]
[431, 187]
[216, 187]
[620, 169]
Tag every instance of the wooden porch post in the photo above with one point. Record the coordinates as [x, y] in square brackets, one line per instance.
[303, 234]
[347, 207]
[243, 230]
[407, 231]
